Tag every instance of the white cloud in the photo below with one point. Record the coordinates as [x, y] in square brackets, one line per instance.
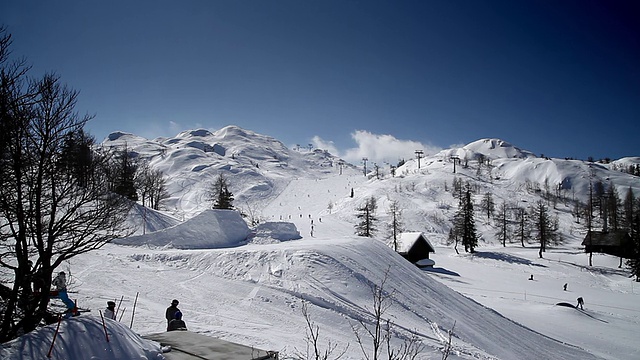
[329, 146]
[376, 148]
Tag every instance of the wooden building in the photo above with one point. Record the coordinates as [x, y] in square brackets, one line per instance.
[415, 247]
[616, 243]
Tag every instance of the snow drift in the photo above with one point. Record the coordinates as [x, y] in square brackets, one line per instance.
[209, 230]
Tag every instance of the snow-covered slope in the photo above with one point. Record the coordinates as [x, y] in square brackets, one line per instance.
[253, 293]
[258, 166]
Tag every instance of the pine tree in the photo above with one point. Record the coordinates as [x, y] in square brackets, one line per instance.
[221, 196]
[125, 169]
[367, 216]
[464, 226]
[469, 236]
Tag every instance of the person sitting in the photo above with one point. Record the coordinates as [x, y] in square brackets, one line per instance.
[170, 314]
[177, 323]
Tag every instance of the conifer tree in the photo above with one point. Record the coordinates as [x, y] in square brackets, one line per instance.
[634, 232]
[124, 172]
[221, 195]
[464, 226]
[367, 216]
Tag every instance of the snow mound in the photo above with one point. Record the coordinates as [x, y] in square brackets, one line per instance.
[278, 231]
[209, 230]
[82, 337]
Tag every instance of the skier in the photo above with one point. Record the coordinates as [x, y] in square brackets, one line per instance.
[564, 287]
[170, 314]
[60, 282]
[580, 303]
[110, 312]
[177, 323]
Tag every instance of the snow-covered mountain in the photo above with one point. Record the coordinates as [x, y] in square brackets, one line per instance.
[251, 292]
[260, 167]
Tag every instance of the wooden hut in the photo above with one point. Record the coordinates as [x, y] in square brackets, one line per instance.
[415, 247]
[616, 243]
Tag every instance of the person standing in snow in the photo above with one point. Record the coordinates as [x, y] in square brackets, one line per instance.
[170, 314]
[60, 283]
[177, 323]
[110, 312]
[580, 303]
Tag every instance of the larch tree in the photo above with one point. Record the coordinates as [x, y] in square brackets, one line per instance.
[545, 226]
[502, 220]
[487, 205]
[522, 229]
[396, 226]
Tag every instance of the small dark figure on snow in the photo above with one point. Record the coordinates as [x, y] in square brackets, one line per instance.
[110, 312]
[564, 287]
[531, 277]
[170, 314]
[580, 303]
[177, 323]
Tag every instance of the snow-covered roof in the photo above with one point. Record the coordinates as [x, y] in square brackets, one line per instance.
[407, 239]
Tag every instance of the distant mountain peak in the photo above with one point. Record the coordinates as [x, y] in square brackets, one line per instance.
[497, 148]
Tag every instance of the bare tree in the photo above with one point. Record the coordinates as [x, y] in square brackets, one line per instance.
[312, 335]
[48, 214]
[545, 226]
[502, 218]
[379, 330]
[488, 205]
[395, 224]
[152, 186]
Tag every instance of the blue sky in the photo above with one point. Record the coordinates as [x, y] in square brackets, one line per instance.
[559, 78]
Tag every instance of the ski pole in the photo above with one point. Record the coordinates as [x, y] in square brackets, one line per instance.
[119, 303]
[104, 326]
[133, 312]
[55, 334]
[122, 314]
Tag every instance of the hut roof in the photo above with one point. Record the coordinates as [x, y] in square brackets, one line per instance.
[408, 239]
[599, 238]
